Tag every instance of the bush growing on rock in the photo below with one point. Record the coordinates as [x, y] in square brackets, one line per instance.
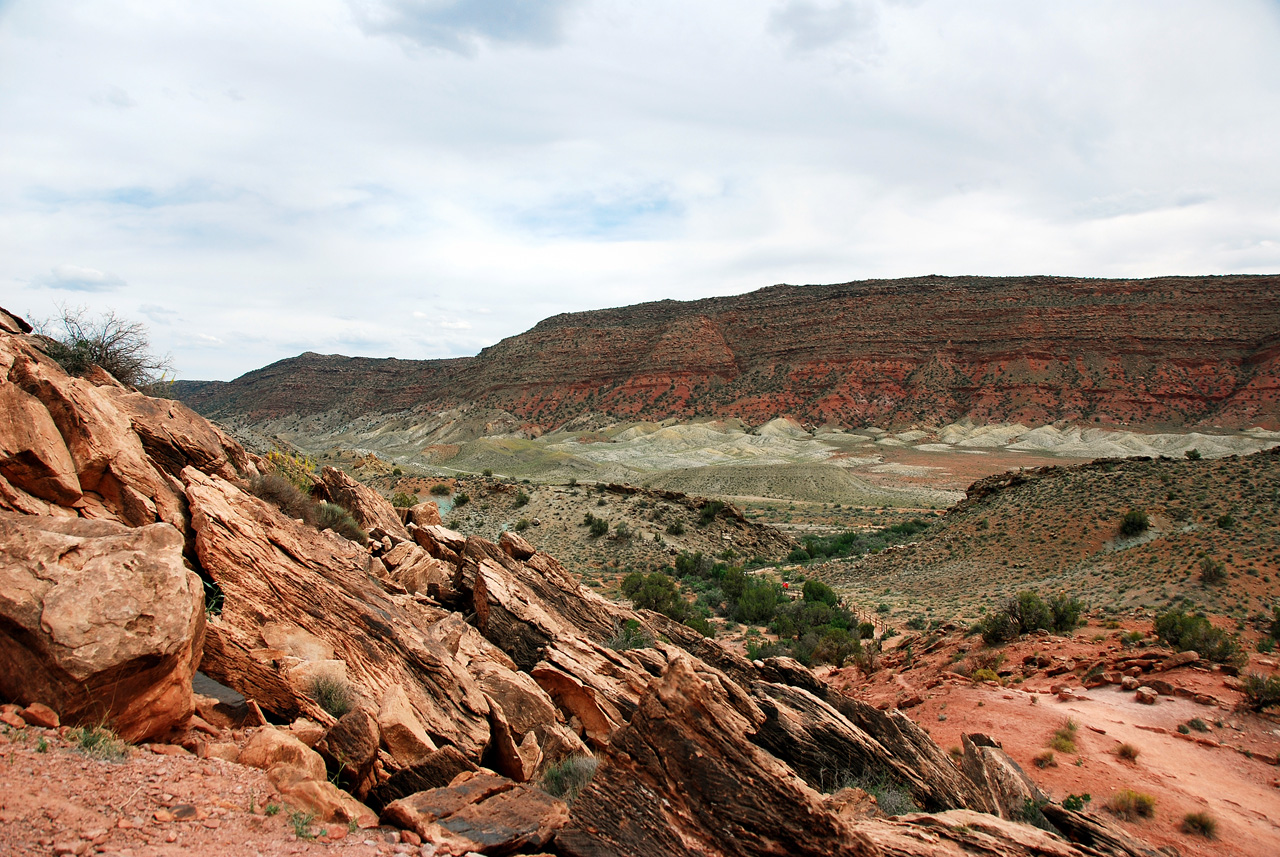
[285, 496]
[332, 694]
[331, 516]
[79, 341]
[566, 779]
[404, 500]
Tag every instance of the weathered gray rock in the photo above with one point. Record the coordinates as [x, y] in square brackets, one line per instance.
[1005, 785]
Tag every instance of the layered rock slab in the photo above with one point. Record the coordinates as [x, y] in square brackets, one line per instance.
[99, 621]
[273, 569]
[681, 778]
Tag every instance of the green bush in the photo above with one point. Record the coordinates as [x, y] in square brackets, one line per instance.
[1193, 454]
[98, 742]
[816, 590]
[709, 511]
[1261, 692]
[1200, 824]
[1076, 803]
[1185, 632]
[655, 591]
[331, 516]
[331, 693]
[284, 495]
[402, 500]
[599, 527]
[522, 525]
[461, 499]
[119, 346]
[440, 489]
[1131, 805]
[566, 779]
[1135, 522]
[675, 528]
[1212, 571]
[522, 499]
[630, 636]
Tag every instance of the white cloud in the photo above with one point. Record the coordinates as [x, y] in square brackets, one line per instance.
[589, 153]
[73, 278]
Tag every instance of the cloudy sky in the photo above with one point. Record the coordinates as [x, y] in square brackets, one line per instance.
[420, 178]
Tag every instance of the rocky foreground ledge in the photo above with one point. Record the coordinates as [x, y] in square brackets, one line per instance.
[468, 668]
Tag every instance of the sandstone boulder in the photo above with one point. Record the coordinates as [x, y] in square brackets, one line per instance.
[480, 812]
[402, 733]
[274, 750]
[1006, 786]
[435, 771]
[425, 514]
[329, 803]
[33, 456]
[368, 507]
[99, 621]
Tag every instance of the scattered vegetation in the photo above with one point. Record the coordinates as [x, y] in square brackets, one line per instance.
[1064, 737]
[331, 693]
[301, 823]
[1027, 612]
[285, 495]
[1131, 805]
[858, 542]
[1128, 752]
[630, 636]
[1076, 803]
[1261, 692]
[1200, 824]
[567, 779]
[98, 742]
[1185, 632]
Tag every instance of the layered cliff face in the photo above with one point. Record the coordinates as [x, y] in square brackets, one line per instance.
[1175, 351]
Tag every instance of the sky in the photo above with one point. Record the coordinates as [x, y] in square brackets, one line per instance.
[421, 178]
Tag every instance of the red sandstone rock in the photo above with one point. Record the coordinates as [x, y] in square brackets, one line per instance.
[368, 507]
[102, 621]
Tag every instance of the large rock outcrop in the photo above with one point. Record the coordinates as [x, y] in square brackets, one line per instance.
[101, 622]
[274, 570]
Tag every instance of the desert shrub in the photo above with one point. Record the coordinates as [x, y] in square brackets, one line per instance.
[566, 779]
[1076, 803]
[1183, 632]
[1064, 737]
[1128, 752]
[522, 499]
[1226, 522]
[285, 496]
[440, 489]
[709, 511]
[1275, 623]
[701, 624]
[1131, 805]
[1200, 824]
[655, 591]
[461, 499]
[1065, 612]
[621, 531]
[798, 555]
[1212, 571]
[816, 590]
[1261, 692]
[522, 525]
[981, 675]
[630, 635]
[599, 527]
[488, 471]
[892, 796]
[1193, 454]
[866, 630]
[331, 516]
[121, 347]
[331, 693]
[1197, 724]
[998, 627]
[758, 602]
[404, 500]
[298, 469]
[675, 528]
[1134, 523]
[835, 647]
[1029, 611]
[1045, 760]
[98, 742]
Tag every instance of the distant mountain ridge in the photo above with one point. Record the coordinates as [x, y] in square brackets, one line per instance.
[1163, 352]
